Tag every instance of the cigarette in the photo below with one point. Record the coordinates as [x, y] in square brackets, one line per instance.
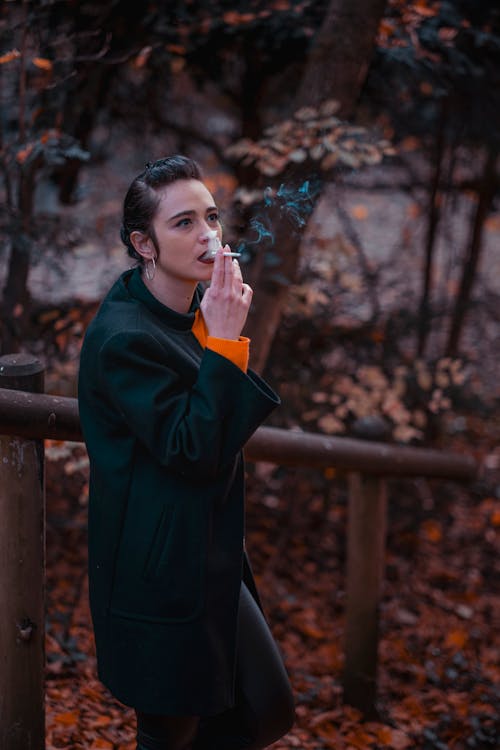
[231, 255]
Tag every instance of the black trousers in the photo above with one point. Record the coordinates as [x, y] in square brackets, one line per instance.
[264, 707]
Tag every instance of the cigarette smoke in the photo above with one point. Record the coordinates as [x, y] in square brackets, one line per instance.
[288, 203]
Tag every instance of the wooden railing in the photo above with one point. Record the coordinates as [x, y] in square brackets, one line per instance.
[28, 416]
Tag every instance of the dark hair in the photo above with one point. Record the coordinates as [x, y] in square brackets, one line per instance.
[141, 200]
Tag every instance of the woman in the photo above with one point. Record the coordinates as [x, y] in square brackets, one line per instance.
[167, 403]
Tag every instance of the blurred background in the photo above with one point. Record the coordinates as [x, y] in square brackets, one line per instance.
[352, 146]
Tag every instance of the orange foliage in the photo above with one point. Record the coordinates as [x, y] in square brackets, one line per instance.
[23, 153]
[9, 56]
[42, 63]
[432, 530]
[235, 18]
[141, 59]
[359, 212]
[423, 8]
[456, 639]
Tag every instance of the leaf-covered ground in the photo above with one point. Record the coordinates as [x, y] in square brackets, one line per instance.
[439, 671]
[439, 667]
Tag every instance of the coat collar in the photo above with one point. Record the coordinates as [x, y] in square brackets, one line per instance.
[133, 286]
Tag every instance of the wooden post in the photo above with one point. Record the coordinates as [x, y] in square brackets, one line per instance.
[366, 534]
[22, 573]
[365, 570]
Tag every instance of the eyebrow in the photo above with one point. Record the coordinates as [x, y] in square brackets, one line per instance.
[191, 212]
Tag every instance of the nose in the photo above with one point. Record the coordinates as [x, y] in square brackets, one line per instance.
[208, 235]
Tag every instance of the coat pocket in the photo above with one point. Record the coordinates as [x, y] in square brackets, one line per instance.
[160, 566]
[159, 543]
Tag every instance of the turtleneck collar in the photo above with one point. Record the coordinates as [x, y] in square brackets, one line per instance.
[136, 288]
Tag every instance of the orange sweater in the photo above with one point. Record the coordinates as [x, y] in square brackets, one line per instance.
[235, 350]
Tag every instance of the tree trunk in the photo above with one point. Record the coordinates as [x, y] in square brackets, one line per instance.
[341, 54]
[16, 296]
[434, 215]
[270, 297]
[81, 113]
[336, 68]
[15, 304]
[488, 189]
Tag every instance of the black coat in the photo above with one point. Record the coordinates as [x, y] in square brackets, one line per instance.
[164, 422]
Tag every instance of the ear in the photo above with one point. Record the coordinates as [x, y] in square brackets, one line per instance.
[143, 245]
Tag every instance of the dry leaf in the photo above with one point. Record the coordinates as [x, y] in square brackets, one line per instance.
[432, 530]
[329, 107]
[234, 18]
[330, 424]
[143, 56]
[422, 8]
[70, 718]
[23, 153]
[330, 161]
[317, 151]
[372, 155]
[405, 433]
[298, 155]
[42, 63]
[101, 744]
[348, 158]
[269, 167]
[14, 54]
[359, 212]
[456, 639]
[424, 379]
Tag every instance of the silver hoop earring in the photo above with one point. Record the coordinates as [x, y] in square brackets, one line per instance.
[150, 274]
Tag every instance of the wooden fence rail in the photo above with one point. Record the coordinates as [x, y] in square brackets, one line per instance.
[40, 416]
[27, 417]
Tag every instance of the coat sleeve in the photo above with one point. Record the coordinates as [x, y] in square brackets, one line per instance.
[197, 430]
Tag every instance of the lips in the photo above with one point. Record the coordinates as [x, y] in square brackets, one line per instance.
[213, 245]
[206, 258]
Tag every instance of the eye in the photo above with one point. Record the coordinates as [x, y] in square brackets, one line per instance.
[213, 217]
[185, 222]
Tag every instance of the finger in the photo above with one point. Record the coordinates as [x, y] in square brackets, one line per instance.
[218, 273]
[228, 264]
[237, 278]
[247, 293]
[237, 270]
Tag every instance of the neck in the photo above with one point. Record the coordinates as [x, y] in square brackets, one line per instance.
[177, 294]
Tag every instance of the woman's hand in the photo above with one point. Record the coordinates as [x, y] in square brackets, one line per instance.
[226, 302]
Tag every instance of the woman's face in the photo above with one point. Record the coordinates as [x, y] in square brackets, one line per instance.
[185, 216]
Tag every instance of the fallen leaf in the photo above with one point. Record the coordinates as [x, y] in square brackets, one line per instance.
[42, 63]
[14, 54]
